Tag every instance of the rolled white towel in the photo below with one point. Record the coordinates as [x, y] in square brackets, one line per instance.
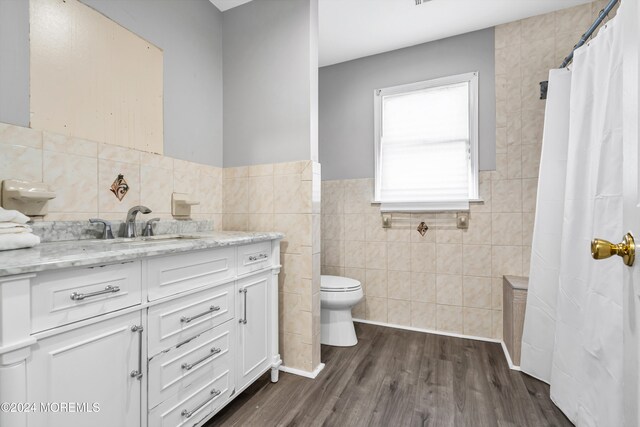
[14, 227]
[18, 241]
[15, 230]
[13, 216]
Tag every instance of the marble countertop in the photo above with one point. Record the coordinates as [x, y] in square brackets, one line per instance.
[78, 253]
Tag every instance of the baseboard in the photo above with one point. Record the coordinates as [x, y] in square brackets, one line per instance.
[448, 334]
[508, 357]
[302, 373]
[429, 331]
[320, 367]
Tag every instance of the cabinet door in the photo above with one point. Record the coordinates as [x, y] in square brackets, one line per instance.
[253, 327]
[87, 366]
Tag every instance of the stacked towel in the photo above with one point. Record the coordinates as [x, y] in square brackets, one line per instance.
[14, 231]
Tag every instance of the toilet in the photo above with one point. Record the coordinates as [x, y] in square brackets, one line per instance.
[337, 296]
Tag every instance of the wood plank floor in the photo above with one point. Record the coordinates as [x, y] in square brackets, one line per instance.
[395, 377]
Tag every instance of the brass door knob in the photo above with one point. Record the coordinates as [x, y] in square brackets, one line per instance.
[601, 249]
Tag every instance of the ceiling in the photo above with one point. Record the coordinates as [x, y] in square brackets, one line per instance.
[351, 29]
[228, 4]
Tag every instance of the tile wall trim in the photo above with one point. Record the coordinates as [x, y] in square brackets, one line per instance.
[302, 373]
[508, 357]
[430, 331]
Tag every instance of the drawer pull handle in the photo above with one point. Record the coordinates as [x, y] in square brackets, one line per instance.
[76, 296]
[214, 393]
[185, 319]
[244, 320]
[257, 257]
[137, 374]
[188, 366]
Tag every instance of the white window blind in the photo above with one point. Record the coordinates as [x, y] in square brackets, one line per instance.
[425, 144]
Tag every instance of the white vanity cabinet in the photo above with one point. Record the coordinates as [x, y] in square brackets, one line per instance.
[181, 336]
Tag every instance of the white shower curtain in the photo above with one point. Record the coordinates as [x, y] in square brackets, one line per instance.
[573, 326]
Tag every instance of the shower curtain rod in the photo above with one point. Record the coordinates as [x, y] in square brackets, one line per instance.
[567, 60]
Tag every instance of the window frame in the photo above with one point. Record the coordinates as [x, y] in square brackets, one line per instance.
[379, 94]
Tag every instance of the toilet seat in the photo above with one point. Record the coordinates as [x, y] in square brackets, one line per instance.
[338, 284]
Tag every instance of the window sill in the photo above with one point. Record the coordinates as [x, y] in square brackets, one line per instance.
[454, 205]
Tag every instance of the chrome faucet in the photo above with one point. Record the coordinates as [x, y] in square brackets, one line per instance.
[148, 227]
[107, 232]
[130, 224]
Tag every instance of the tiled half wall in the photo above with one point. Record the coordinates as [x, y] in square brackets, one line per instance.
[447, 280]
[81, 172]
[283, 197]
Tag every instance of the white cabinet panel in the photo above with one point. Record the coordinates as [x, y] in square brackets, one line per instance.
[253, 327]
[91, 364]
[172, 274]
[196, 361]
[66, 296]
[192, 405]
[175, 321]
[253, 257]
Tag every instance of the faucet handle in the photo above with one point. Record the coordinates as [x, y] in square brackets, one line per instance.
[107, 232]
[148, 227]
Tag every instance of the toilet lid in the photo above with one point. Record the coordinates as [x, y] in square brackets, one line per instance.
[335, 283]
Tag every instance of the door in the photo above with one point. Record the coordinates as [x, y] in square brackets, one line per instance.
[631, 290]
[253, 327]
[90, 370]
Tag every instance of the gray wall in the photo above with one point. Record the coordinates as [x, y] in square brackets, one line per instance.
[14, 62]
[270, 65]
[190, 34]
[346, 98]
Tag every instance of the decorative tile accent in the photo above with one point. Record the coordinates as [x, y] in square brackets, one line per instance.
[120, 187]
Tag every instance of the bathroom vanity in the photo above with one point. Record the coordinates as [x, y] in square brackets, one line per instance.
[136, 333]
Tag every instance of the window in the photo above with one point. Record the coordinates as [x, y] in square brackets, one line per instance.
[426, 144]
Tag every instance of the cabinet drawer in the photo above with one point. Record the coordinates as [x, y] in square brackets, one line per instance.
[196, 361]
[194, 404]
[66, 296]
[170, 275]
[254, 257]
[176, 321]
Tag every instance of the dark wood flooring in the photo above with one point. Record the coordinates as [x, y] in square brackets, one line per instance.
[395, 377]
